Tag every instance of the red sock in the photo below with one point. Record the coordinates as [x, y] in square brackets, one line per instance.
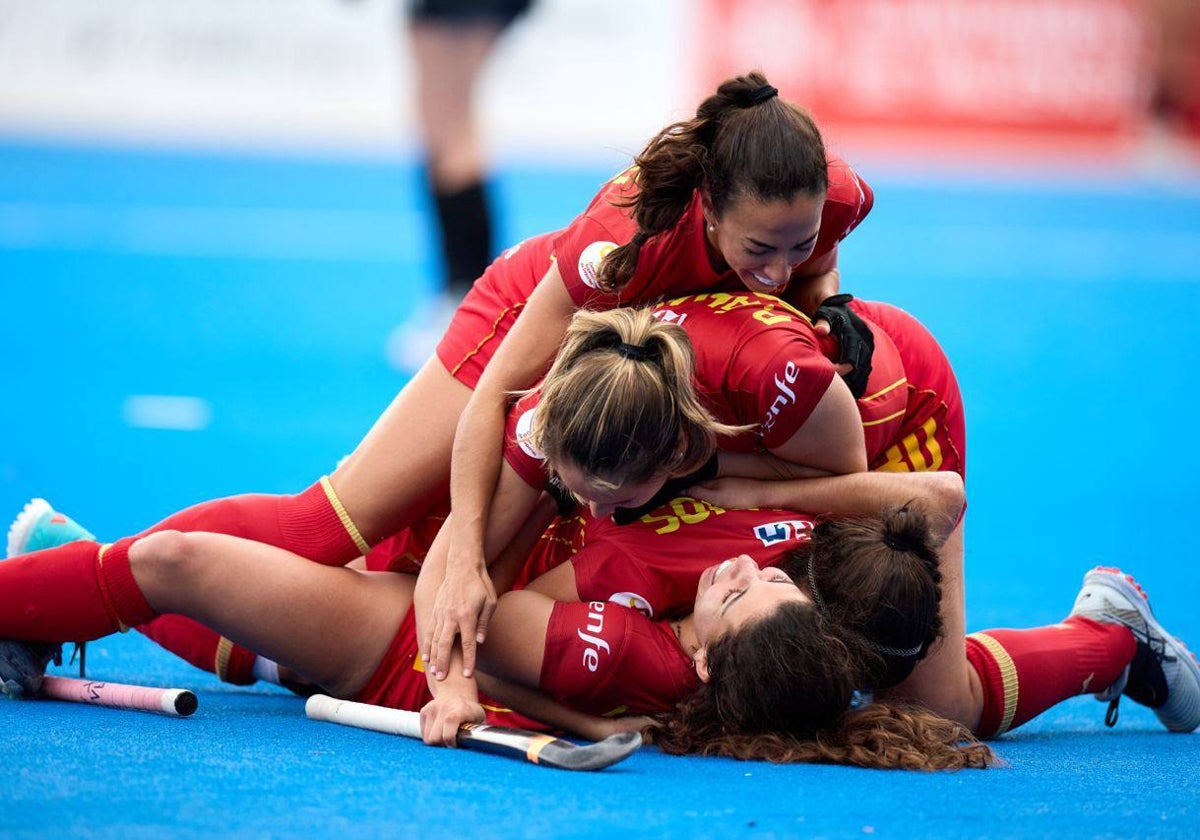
[204, 648]
[1025, 672]
[72, 593]
[308, 524]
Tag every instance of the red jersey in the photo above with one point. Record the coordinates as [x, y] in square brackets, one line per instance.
[673, 263]
[932, 436]
[654, 564]
[607, 659]
[677, 261]
[606, 654]
[759, 363]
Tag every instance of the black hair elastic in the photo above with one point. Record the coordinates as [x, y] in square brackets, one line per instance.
[761, 94]
[634, 351]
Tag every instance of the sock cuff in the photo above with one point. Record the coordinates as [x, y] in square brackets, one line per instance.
[234, 664]
[1001, 687]
[122, 596]
[316, 525]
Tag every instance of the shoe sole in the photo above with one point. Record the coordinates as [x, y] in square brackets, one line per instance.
[1124, 584]
[18, 532]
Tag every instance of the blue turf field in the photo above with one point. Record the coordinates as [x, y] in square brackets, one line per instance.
[264, 290]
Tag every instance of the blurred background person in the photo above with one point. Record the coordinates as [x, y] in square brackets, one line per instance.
[451, 41]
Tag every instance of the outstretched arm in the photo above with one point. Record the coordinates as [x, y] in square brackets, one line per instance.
[457, 601]
[522, 357]
[862, 494]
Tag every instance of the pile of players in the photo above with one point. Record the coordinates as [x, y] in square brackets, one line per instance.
[721, 502]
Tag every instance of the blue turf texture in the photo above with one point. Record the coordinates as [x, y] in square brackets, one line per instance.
[268, 288]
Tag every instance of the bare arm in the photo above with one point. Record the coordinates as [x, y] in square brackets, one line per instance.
[831, 439]
[522, 357]
[451, 601]
[862, 494]
[821, 279]
[540, 706]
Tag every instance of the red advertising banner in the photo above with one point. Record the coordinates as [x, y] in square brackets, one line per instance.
[1058, 67]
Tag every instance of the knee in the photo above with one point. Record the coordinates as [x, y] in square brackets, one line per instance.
[163, 555]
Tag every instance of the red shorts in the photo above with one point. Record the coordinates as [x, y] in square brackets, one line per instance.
[399, 682]
[488, 311]
[405, 550]
[933, 435]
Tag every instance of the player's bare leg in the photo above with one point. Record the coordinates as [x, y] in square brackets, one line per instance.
[402, 467]
[331, 625]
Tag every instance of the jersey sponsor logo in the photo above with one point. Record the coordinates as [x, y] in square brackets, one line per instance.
[784, 395]
[634, 601]
[590, 259]
[593, 644]
[525, 435]
[668, 316]
[788, 530]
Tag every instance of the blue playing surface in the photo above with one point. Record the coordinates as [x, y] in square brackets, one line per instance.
[265, 290]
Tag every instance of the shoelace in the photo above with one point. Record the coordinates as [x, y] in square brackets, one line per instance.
[1158, 649]
[79, 653]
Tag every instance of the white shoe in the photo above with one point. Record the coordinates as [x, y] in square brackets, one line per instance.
[1163, 674]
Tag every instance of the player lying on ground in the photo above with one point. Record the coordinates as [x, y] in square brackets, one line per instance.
[1110, 631]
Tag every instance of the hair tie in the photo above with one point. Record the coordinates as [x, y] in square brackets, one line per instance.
[634, 351]
[902, 653]
[894, 544]
[761, 94]
[812, 585]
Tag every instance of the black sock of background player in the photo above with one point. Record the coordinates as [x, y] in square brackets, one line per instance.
[466, 229]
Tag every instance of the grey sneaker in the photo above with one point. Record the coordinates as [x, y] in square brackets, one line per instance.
[1163, 674]
[22, 666]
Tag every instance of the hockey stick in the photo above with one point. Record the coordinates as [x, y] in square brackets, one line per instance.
[517, 743]
[171, 701]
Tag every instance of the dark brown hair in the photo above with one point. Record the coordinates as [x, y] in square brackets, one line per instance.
[739, 144]
[879, 577]
[782, 690]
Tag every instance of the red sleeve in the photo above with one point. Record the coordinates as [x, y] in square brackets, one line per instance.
[581, 246]
[529, 463]
[674, 262]
[604, 658]
[784, 373]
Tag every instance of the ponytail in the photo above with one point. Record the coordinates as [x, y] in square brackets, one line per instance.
[743, 142]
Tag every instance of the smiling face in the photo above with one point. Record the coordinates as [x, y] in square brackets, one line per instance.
[763, 241]
[603, 498]
[734, 593]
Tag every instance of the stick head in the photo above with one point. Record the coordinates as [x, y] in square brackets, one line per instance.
[597, 756]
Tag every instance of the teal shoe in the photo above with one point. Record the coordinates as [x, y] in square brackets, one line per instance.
[40, 526]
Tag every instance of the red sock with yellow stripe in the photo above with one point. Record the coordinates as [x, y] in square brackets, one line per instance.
[312, 524]
[206, 649]
[74, 593]
[1025, 672]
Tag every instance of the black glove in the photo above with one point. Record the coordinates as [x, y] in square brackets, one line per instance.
[856, 343]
